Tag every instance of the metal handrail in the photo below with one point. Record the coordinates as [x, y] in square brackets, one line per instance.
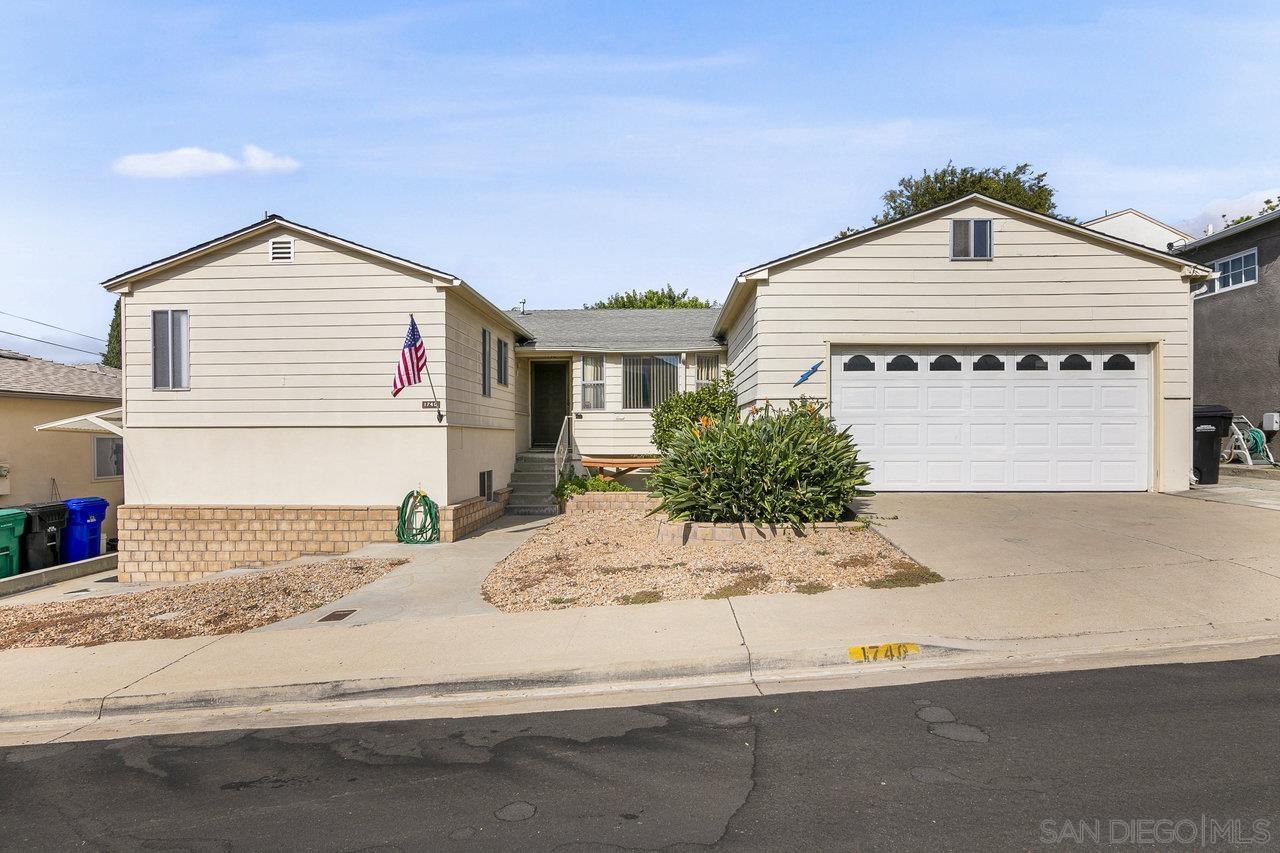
[564, 446]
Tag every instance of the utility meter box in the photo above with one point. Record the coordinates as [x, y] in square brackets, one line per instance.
[1271, 422]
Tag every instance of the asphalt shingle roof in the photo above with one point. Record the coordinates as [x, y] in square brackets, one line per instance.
[28, 375]
[621, 329]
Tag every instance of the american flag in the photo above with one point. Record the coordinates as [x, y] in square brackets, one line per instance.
[413, 359]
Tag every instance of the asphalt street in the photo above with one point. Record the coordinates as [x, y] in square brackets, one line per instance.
[1158, 758]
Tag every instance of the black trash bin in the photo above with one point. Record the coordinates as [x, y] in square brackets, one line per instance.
[41, 545]
[1211, 424]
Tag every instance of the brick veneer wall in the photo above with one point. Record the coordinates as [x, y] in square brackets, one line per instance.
[457, 520]
[179, 543]
[591, 501]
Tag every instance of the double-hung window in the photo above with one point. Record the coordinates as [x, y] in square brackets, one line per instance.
[708, 370]
[108, 457]
[592, 382]
[170, 350]
[971, 239]
[1237, 270]
[504, 356]
[486, 362]
[647, 380]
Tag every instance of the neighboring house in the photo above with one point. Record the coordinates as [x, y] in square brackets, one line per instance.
[978, 346]
[608, 368]
[975, 346]
[1237, 318]
[43, 465]
[1136, 227]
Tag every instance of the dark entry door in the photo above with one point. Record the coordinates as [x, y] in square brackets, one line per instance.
[550, 401]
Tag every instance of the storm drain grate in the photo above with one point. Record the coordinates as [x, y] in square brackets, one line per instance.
[335, 616]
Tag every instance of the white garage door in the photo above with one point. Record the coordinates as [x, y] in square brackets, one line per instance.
[997, 418]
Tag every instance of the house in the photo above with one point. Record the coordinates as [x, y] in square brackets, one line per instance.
[975, 346]
[45, 466]
[978, 346]
[607, 369]
[1136, 227]
[258, 416]
[1237, 315]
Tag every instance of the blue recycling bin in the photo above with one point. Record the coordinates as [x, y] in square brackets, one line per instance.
[82, 537]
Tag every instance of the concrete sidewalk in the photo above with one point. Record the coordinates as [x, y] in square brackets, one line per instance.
[745, 641]
[1034, 581]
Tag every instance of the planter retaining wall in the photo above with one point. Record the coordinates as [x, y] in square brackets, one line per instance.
[618, 501]
[684, 532]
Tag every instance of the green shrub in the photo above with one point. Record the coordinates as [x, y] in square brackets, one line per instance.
[576, 485]
[772, 466]
[674, 415]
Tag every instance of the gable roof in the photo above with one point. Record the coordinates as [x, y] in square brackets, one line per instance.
[27, 376]
[1133, 211]
[745, 279]
[1229, 231]
[621, 329]
[125, 280]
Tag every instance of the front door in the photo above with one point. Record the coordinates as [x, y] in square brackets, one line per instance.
[550, 406]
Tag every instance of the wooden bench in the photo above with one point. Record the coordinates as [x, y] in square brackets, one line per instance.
[612, 467]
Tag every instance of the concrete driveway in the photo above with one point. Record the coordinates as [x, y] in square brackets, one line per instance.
[969, 536]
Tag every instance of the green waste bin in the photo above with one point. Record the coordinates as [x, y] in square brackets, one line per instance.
[12, 523]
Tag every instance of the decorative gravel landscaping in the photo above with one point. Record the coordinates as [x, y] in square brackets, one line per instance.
[224, 605]
[609, 557]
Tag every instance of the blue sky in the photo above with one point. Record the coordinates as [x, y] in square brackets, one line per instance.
[560, 151]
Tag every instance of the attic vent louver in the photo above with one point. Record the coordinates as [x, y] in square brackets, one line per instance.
[280, 250]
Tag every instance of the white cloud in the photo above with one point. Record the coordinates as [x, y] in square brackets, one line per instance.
[260, 160]
[192, 162]
[178, 163]
[1213, 212]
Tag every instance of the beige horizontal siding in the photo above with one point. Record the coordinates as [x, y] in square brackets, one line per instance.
[467, 405]
[1043, 285]
[742, 352]
[615, 430]
[311, 343]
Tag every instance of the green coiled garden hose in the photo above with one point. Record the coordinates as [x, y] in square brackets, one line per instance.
[419, 519]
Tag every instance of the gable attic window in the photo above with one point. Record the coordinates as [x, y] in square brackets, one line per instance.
[971, 239]
[280, 250]
[170, 346]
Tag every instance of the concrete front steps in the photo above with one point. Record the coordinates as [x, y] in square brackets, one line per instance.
[532, 484]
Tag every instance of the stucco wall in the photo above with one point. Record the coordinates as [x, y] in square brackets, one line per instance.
[1237, 353]
[472, 450]
[35, 457]
[315, 466]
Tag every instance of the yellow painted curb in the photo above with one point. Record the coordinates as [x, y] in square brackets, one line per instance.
[883, 651]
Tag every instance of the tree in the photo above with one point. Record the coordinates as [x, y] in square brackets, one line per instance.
[653, 298]
[111, 358]
[1017, 186]
[1268, 206]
